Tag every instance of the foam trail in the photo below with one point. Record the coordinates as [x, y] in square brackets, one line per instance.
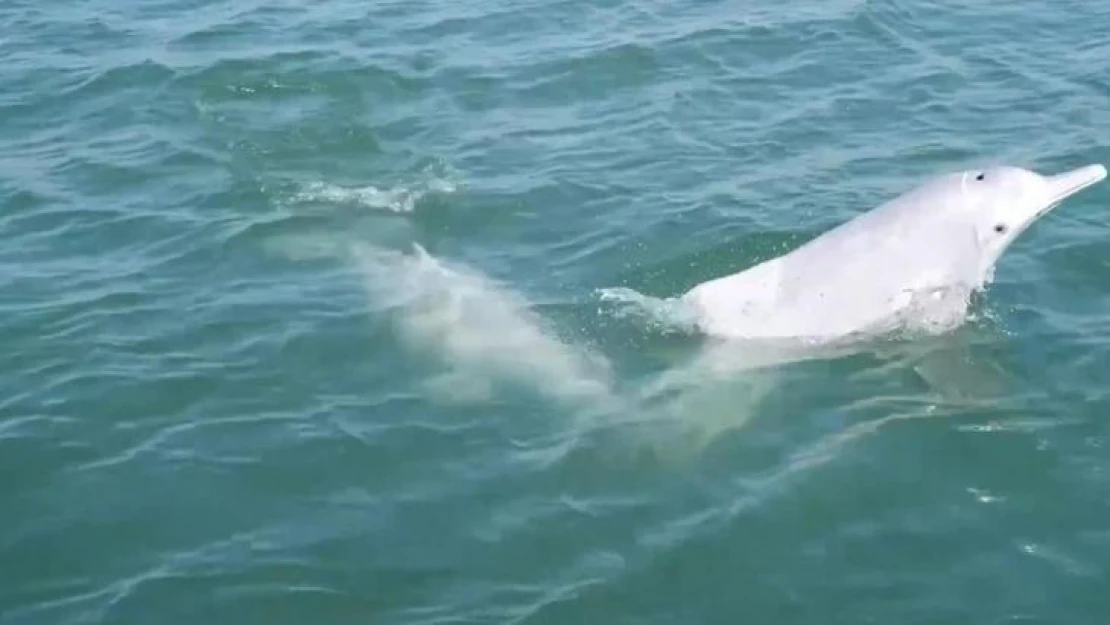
[397, 199]
[484, 334]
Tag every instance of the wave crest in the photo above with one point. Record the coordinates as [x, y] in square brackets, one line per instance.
[396, 199]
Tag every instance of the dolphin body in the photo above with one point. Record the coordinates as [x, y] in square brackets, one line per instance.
[936, 243]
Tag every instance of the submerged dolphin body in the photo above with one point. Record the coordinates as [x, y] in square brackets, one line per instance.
[939, 240]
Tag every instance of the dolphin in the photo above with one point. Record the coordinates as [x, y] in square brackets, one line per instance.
[915, 259]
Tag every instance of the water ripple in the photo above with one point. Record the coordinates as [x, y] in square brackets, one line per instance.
[233, 392]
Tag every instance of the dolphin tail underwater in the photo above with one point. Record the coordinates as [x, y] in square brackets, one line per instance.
[912, 261]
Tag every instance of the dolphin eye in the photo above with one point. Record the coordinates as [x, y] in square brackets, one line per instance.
[980, 176]
[1000, 228]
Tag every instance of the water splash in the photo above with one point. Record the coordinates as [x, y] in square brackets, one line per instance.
[667, 315]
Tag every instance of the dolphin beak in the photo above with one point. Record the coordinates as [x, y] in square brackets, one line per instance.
[1062, 186]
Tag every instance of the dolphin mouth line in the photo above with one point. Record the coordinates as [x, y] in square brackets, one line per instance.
[1071, 182]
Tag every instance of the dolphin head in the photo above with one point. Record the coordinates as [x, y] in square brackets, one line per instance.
[1002, 202]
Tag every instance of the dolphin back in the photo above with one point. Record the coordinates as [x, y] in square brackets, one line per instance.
[852, 277]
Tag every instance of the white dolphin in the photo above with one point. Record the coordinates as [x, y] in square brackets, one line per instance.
[944, 236]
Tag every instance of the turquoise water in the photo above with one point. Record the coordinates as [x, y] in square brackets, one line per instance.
[234, 391]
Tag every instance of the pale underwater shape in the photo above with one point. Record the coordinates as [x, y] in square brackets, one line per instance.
[483, 333]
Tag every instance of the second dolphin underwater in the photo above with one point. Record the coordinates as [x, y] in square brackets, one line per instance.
[946, 235]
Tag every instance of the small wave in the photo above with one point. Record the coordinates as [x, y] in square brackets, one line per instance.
[398, 199]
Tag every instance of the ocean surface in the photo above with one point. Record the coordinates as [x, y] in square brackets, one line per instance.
[358, 313]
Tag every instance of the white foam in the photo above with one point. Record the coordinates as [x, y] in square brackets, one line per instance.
[401, 198]
[662, 314]
[397, 200]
